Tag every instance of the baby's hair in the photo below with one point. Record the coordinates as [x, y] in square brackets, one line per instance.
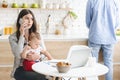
[34, 35]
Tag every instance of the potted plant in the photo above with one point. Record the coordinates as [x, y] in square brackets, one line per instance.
[68, 20]
[72, 14]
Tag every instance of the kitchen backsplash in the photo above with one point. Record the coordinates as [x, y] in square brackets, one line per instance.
[9, 15]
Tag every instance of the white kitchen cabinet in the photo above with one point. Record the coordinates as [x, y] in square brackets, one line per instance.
[6, 56]
[59, 49]
[6, 60]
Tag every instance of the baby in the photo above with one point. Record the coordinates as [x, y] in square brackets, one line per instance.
[33, 47]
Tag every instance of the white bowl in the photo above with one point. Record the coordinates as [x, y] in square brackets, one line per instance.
[63, 69]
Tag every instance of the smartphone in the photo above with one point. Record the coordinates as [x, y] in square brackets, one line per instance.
[21, 21]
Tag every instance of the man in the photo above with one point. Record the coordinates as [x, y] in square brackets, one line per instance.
[102, 18]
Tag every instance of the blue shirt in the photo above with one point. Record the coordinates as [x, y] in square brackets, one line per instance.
[102, 18]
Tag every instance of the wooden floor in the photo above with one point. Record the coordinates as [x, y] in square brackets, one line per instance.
[117, 72]
[5, 73]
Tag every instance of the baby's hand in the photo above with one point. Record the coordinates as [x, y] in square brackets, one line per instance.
[26, 48]
[30, 51]
[33, 56]
[43, 51]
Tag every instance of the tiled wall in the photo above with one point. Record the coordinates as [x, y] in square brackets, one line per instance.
[8, 15]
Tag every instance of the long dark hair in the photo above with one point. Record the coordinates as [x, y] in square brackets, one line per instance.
[22, 13]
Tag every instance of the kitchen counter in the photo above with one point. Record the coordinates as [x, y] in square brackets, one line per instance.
[81, 37]
[55, 37]
[65, 37]
[4, 38]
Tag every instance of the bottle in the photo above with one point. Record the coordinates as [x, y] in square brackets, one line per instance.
[4, 4]
[48, 24]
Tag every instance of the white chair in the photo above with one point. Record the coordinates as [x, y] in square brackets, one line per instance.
[78, 55]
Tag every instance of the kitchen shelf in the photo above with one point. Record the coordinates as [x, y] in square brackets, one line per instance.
[38, 8]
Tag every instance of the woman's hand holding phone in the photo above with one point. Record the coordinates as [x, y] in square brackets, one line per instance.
[23, 25]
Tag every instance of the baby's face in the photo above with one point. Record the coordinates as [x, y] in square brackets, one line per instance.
[34, 43]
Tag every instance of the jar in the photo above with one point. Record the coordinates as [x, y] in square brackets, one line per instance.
[56, 6]
[43, 4]
[49, 6]
[4, 4]
[58, 30]
[62, 6]
[8, 30]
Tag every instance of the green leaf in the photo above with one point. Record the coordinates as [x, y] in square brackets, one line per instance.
[73, 14]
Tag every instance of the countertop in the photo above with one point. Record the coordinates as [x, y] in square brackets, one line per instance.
[55, 37]
[81, 37]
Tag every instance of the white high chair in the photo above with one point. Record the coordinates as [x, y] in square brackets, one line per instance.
[78, 55]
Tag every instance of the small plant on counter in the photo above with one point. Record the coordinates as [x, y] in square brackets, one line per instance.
[73, 14]
[68, 19]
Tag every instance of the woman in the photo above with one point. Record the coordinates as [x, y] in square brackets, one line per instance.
[26, 24]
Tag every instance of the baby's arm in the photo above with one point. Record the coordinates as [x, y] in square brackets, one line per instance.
[25, 52]
[47, 54]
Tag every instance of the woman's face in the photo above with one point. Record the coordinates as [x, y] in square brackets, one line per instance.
[28, 21]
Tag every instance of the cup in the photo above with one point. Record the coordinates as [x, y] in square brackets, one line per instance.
[49, 6]
[62, 6]
[10, 30]
[56, 6]
[7, 30]
[91, 61]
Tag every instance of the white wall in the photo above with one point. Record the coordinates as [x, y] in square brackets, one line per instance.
[8, 16]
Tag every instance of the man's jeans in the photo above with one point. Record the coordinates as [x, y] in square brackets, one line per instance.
[107, 51]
